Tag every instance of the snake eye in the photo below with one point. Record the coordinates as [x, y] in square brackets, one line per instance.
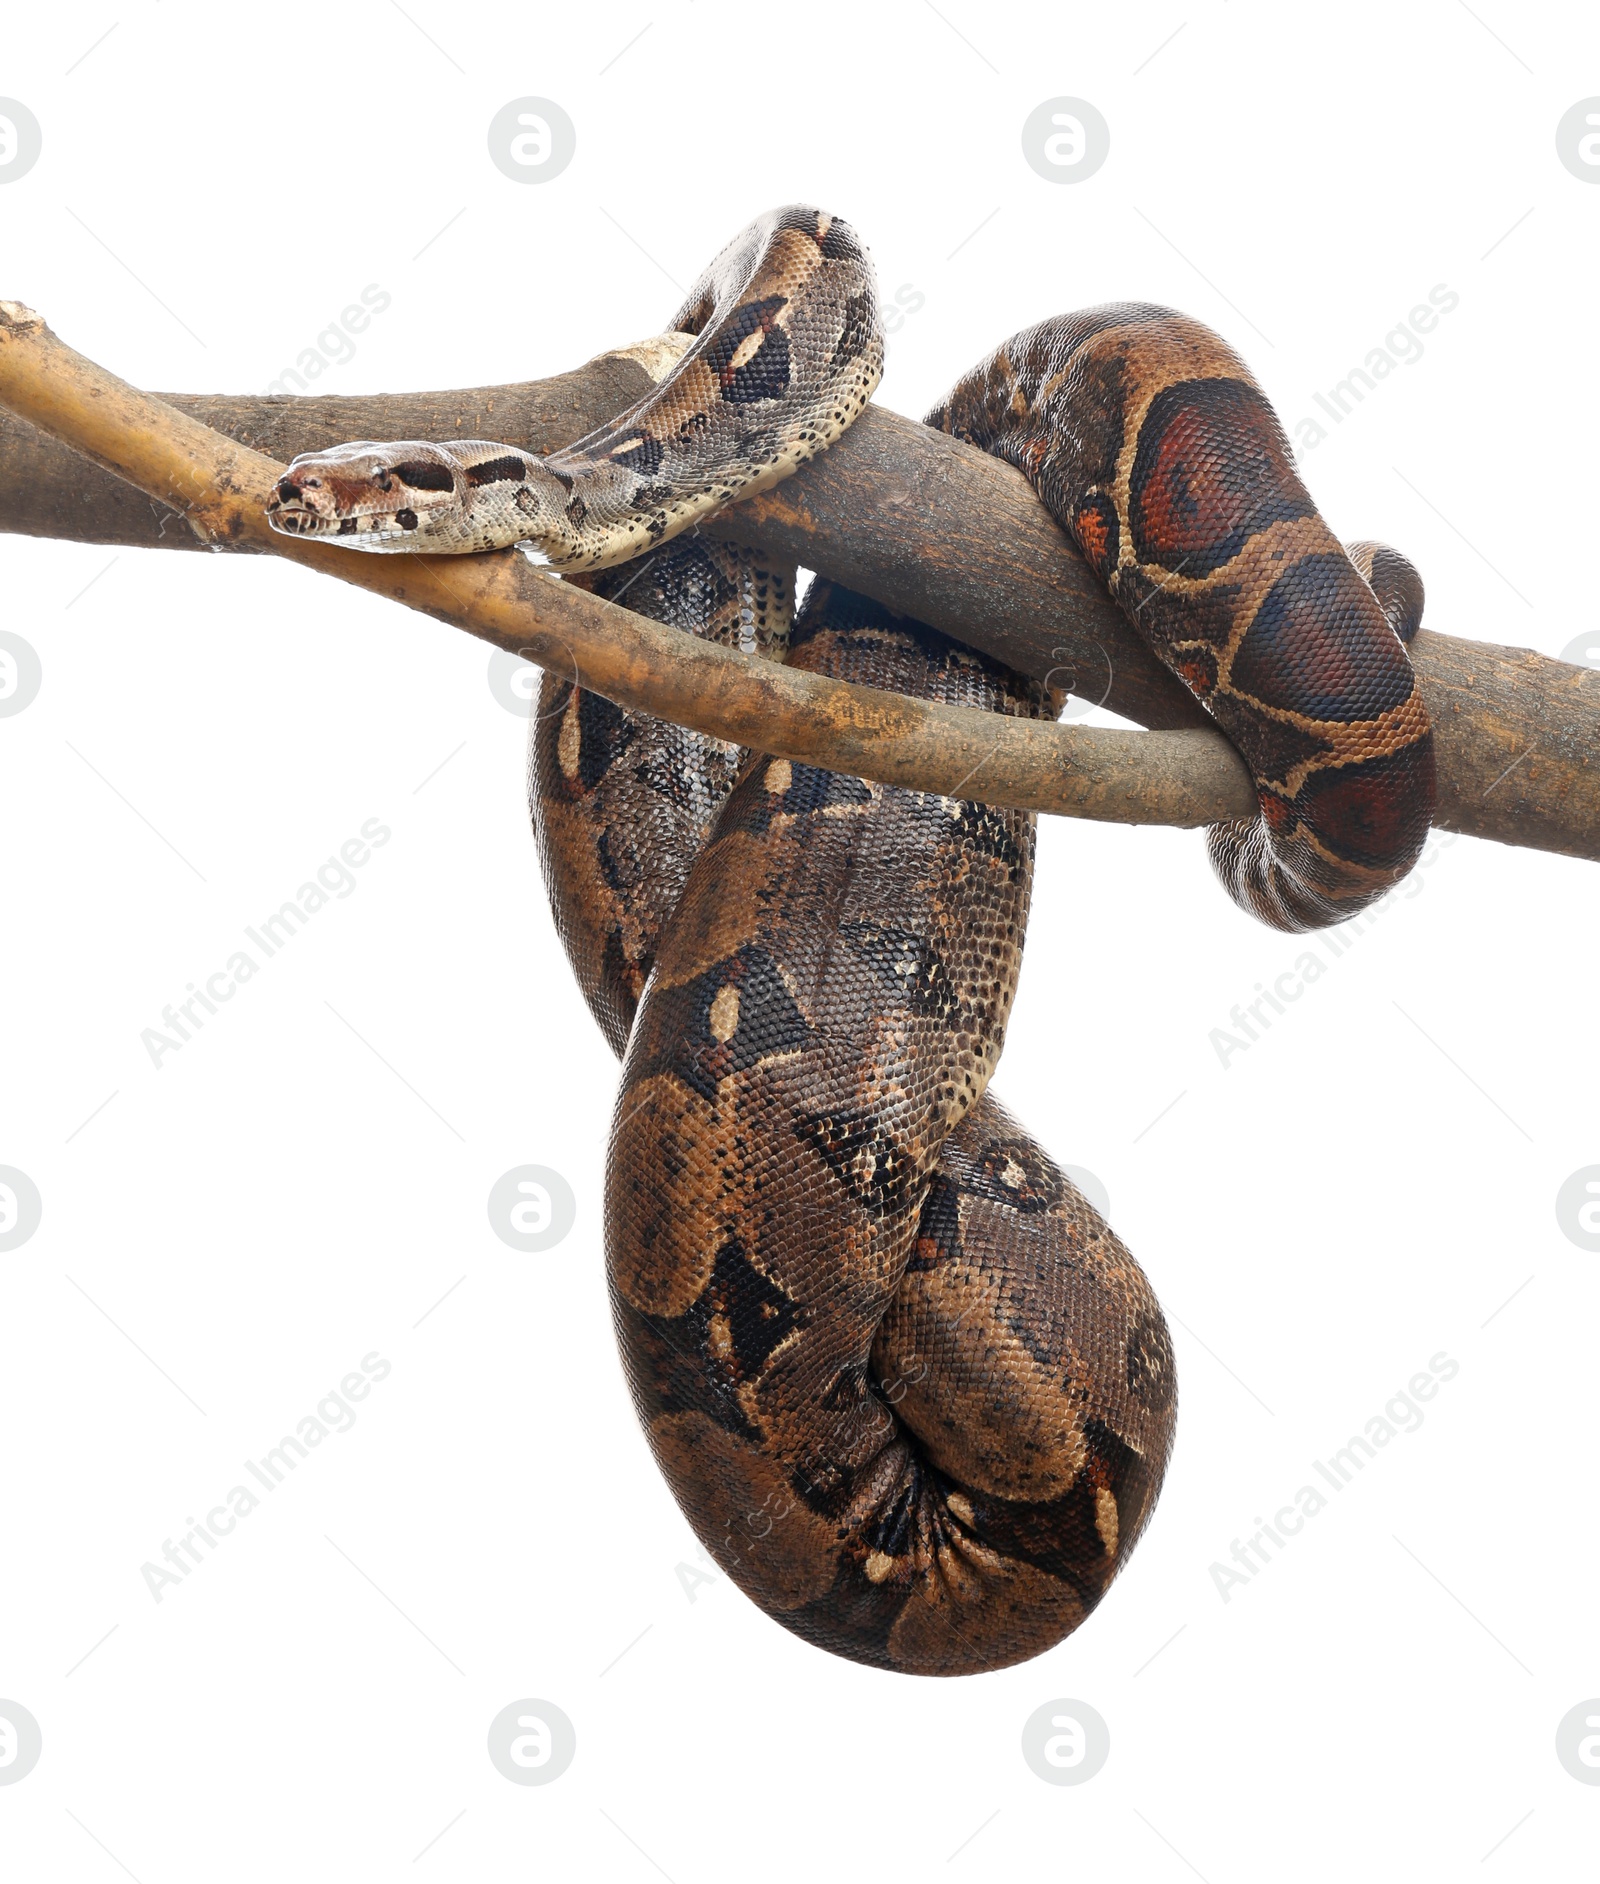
[381, 478]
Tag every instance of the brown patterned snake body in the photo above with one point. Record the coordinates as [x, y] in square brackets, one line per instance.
[910, 1390]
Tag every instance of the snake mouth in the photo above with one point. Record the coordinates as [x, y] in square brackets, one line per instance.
[291, 516]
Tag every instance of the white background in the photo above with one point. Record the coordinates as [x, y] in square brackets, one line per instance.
[1361, 1189]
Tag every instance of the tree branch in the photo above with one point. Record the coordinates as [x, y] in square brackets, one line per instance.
[942, 532]
[219, 489]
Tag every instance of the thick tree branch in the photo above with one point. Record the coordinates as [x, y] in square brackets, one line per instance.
[219, 490]
[930, 527]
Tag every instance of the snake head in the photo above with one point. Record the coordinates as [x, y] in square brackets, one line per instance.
[374, 496]
[469, 495]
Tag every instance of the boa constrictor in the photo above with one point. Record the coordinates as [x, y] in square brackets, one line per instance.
[913, 1394]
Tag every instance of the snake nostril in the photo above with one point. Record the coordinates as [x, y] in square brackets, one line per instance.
[288, 490]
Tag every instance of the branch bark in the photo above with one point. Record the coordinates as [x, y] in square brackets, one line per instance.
[941, 532]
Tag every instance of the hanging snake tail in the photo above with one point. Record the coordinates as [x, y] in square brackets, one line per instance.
[1153, 447]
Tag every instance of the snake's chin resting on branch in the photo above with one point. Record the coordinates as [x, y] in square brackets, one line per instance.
[894, 510]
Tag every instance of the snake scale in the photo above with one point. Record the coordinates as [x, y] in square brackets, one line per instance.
[912, 1393]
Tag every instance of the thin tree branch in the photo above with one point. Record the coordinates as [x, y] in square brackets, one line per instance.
[930, 527]
[220, 487]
